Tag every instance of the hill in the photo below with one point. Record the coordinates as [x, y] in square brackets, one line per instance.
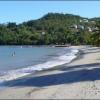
[52, 28]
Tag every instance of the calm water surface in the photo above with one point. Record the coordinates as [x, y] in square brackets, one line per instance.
[24, 56]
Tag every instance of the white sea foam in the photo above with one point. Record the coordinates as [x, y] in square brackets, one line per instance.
[62, 59]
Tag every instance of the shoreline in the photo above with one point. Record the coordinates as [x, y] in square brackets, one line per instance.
[51, 45]
[47, 65]
[66, 80]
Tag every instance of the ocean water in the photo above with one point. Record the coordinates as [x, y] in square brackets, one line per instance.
[28, 59]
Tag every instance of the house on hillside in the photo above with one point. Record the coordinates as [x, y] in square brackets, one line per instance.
[85, 20]
[74, 26]
[80, 20]
[89, 29]
[95, 29]
[81, 27]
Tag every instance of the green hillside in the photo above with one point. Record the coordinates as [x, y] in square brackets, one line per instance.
[52, 28]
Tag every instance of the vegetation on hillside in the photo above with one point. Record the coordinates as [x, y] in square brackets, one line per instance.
[53, 28]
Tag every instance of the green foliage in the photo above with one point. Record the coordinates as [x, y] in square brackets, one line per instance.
[53, 28]
[96, 36]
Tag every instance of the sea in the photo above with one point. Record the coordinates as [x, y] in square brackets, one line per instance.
[19, 61]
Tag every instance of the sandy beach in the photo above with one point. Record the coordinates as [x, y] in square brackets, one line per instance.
[79, 79]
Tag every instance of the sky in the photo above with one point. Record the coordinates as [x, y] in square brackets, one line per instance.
[20, 11]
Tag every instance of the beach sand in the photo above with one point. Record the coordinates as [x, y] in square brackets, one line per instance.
[79, 79]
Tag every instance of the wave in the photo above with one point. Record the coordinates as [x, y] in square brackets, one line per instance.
[63, 58]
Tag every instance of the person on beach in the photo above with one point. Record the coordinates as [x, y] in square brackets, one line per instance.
[13, 54]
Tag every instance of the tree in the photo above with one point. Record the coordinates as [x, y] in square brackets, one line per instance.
[96, 36]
